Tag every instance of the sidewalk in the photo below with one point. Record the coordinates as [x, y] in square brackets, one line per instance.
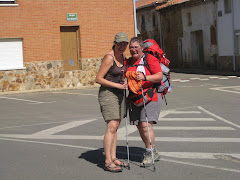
[205, 72]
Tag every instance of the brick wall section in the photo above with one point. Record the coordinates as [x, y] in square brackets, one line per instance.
[38, 23]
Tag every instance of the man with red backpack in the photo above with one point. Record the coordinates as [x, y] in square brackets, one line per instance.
[145, 101]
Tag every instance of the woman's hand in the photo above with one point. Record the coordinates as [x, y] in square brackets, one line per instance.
[155, 78]
[122, 85]
[140, 76]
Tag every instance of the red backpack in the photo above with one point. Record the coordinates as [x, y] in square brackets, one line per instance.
[152, 47]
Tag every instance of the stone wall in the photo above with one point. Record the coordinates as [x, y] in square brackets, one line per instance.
[49, 75]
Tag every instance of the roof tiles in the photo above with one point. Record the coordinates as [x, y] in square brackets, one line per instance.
[142, 3]
[171, 3]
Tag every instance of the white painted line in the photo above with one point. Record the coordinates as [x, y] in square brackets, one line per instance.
[203, 79]
[214, 77]
[196, 155]
[205, 139]
[185, 112]
[220, 118]
[194, 78]
[176, 80]
[89, 148]
[37, 102]
[231, 76]
[137, 138]
[191, 128]
[164, 113]
[223, 78]
[48, 143]
[34, 136]
[184, 80]
[62, 127]
[9, 127]
[75, 93]
[201, 165]
[122, 131]
[224, 89]
[186, 119]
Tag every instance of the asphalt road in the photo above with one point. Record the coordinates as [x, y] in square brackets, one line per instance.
[59, 134]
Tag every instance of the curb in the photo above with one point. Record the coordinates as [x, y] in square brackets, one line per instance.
[48, 90]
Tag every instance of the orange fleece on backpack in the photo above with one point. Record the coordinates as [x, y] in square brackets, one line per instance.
[133, 84]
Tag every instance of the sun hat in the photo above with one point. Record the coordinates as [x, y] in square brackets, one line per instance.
[121, 37]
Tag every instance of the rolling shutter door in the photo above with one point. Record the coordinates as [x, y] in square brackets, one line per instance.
[11, 54]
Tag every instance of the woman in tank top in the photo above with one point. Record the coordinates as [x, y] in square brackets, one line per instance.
[110, 77]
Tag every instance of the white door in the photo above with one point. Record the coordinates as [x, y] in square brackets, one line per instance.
[11, 54]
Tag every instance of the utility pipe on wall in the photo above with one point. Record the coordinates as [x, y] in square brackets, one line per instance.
[234, 43]
[135, 19]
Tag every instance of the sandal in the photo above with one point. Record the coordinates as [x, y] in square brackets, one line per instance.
[121, 163]
[114, 169]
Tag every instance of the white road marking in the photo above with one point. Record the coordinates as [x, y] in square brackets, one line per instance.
[122, 138]
[39, 124]
[223, 78]
[63, 127]
[34, 102]
[179, 155]
[122, 131]
[201, 165]
[186, 119]
[224, 89]
[185, 112]
[175, 154]
[192, 128]
[184, 80]
[213, 77]
[197, 155]
[194, 78]
[218, 117]
[75, 93]
[204, 79]
[34, 136]
[176, 80]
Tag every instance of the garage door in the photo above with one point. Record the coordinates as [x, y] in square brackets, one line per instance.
[11, 54]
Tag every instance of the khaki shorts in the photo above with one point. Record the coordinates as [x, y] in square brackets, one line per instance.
[111, 103]
[137, 114]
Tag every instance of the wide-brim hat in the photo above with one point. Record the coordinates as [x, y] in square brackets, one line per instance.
[121, 37]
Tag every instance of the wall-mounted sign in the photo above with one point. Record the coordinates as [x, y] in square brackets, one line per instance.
[72, 17]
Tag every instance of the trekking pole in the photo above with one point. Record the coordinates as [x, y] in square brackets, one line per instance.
[150, 141]
[125, 117]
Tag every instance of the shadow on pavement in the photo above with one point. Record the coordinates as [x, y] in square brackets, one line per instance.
[97, 156]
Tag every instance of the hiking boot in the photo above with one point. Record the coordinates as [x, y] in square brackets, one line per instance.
[156, 155]
[147, 158]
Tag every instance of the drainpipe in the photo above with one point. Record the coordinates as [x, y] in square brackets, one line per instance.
[135, 21]
[160, 31]
[234, 44]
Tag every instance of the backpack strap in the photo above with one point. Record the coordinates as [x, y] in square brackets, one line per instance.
[144, 61]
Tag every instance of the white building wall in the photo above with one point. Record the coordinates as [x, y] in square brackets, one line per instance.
[225, 31]
[202, 17]
[236, 6]
[148, 15]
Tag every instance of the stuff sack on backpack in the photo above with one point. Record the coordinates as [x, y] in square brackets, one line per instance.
[152, 47]
[163, 87]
